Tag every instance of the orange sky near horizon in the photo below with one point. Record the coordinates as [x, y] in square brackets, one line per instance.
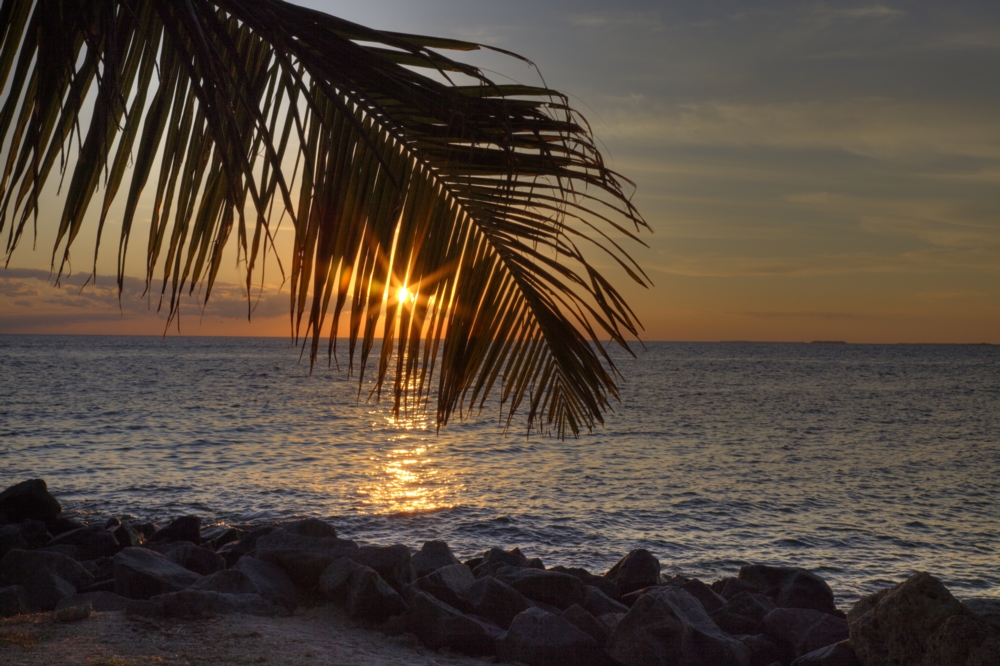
[809, 172]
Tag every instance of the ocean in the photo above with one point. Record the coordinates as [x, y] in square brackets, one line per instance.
[863, 463]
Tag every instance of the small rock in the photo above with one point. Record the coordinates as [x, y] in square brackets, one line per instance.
[13, 601]
[311, 527]
[538, 638]
[803, 629]
[272, 582]
[548, 587]
[100, 602]
[587, 623]
[229, 581]
[433, 556]
[893, 625]
[29, 499]
[437, 625]
[450, 584]
[185, 528]
[667, 626]
[635, 571]
[496, 601]
[141, 574]
[303, 558]
[791, 587]
[597, 603]
[838, 654]
[74, 613]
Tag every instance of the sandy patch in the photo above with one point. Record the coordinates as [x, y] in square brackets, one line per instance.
[315, 636]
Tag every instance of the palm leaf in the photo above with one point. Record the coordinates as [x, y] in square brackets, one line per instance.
[396, 164]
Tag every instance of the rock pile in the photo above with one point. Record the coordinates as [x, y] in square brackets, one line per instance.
[501, 604]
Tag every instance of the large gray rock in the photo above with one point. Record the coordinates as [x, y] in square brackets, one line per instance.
[605, 585]
[392, 563]
[245, 545]
[743, 613]
[548, 587]
[35, 533]
[804, 629]
[988, 609]
[635, 571]
[765, 651]
[538, 638]
[195, 558]
[838, 654]
[433, 556]
[791, 587]
[303, 558]
[100, 602]
[361, 591]
[141, 574]
[229, 581]
[28, 499]
[438, 625]
[195, 603]
[185, 528]
[711, 600]
[13, 601]
[271, 581]
[587, 623]
[450, 584]
[893, 625]
[496, 558]
[311, 527]
[20, 565]
[91, 542]
[667, 626]
[496, 601]
[597, 603]
[963, 640]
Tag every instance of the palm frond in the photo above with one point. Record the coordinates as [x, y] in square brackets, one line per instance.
[393, 168]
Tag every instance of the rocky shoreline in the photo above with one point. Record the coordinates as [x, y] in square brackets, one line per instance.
[501, 605]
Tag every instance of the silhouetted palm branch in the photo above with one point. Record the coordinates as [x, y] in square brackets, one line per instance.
[476, 197]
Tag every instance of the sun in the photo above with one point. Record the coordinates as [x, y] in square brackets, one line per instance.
[403, 295]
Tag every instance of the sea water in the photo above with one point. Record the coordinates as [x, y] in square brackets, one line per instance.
[864, 463]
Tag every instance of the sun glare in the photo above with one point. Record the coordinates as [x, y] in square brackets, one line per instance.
[403, 295]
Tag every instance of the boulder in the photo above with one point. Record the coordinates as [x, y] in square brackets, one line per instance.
[667, 626]
[127, 536]
[229, 581]
[303, 558]
[69, 550]
[100, 602]
[629, 599]
[271, 581]
[449, 584]
[711, 600]
[764, 651]
[605, 585]
[146, 529]
[90, 542]
[141, 574]
[61, 524]
[28, 499]
[963, 640]
[790, 587]
[635, 571]
[392, 563]
[311, 527]
[361, 591]
[437, 625]
[597, 603]
[103, 568]
[804, 630]
[195, 603]
[838, 654]
[587, 623]
[730, 587]
[11, 538]
[13, 601]
[185, 528]
[432, 556]
[34, 533]
[743, 613]
[80, 611]
[246, 545]
[893, 625]
[231, 535]
[496, 558]
[538, 638]
[19, 565]
[988, 609]
[496, 601]
[195, 558]
[548, 587]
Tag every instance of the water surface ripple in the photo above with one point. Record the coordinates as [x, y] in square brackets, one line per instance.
[862, 462]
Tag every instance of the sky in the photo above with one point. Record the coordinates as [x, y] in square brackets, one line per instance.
[810, 171]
